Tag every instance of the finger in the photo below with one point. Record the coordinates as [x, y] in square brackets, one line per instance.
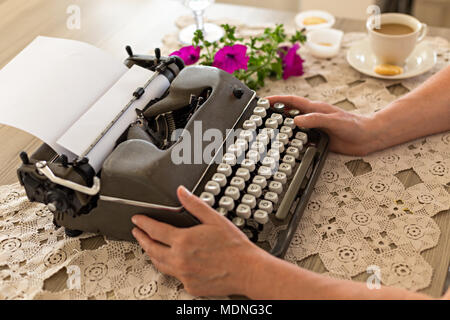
[302, 104]
[159, 231]
[196, 206]
[154, 249]
[313, 120]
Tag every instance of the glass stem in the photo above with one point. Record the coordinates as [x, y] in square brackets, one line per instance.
[199, 20]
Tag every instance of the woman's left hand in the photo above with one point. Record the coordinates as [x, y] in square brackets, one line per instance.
[212, 259]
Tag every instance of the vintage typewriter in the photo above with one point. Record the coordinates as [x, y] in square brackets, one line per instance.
[265, 170]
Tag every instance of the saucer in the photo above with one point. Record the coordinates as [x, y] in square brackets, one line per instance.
[361, 57]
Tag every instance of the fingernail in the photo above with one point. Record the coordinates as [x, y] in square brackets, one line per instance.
[134, 232]
[134, 219]
[185, 192]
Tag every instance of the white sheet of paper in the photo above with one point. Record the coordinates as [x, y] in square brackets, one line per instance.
[52, 83]
[91, 124]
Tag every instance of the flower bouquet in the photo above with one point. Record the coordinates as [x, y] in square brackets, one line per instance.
[272, 54]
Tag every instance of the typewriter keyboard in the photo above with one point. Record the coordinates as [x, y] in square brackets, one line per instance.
[263, 171]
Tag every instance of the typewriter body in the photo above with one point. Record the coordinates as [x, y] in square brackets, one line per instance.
[264, 171]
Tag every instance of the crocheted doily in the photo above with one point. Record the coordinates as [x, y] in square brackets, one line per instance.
[352, 221]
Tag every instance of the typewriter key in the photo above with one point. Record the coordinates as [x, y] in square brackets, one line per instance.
[261, 216]
[264, 103]
[278, 107]
[208, 198]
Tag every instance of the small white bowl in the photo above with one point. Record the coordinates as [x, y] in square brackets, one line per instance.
[324, 43]
[299, 18]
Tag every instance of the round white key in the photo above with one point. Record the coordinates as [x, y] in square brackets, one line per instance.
[212, 187]
[283, 138]
[208, 198]
[258, 147]
[238, 182]
[261, 216]
[226, 203]
[249, 125]
[243, 211]
[256, 119]
[264, 138]
[225, 169]
[276, 187]
[253, 155]
[220, 178]
[269, 131]
[278, 145]
[239, 222]
[254, 190]
[243, 173]
[269, 162]
[287, 169]
[248, 164]
[266, 205]
[264, 171]
[232, 192]
[292, 151]
[271, 123]
[274, 154]
[271, 196]
[260, 181]
[236, 150]
[229, 158]
[278, 107]
[249, 200]
[289, 122]
[264, 103]
[294, 112]
[242, 143]
[260, 111]
[303, 137]
[247, 135]
[222, 211]
[286, 130]
[289, 159]
[280, 177]
[277, 117]
[297, 144]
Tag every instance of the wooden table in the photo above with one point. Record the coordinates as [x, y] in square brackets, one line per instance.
[113, 24]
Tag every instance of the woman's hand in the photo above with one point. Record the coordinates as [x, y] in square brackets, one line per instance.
[349, 133]
[211, 259]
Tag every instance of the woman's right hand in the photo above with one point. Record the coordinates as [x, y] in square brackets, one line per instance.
[349, 133]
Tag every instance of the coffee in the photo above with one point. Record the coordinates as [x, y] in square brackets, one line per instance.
[394, 29]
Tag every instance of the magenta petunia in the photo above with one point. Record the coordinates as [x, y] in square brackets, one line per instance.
[292, 62]
[190, 54]
[231, 58]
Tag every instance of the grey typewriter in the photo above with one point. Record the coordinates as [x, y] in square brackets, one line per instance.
[265, 170]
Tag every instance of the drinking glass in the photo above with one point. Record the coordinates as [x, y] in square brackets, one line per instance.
[211, 31]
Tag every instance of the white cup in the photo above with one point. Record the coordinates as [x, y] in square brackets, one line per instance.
[395, 49]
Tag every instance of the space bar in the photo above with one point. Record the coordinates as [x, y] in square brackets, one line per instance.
[295, 184]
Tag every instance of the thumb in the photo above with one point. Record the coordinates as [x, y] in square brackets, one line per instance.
[196, 206]
[313, 120]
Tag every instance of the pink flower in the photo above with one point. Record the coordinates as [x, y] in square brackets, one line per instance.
[231, 58]
[292, 62]
[190, 54]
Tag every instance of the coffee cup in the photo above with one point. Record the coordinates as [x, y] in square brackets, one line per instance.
[393, 36]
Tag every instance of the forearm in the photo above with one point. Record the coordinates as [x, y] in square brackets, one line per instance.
[422, 112]
[272, 278]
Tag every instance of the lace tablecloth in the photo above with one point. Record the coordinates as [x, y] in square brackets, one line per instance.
[352, 221]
